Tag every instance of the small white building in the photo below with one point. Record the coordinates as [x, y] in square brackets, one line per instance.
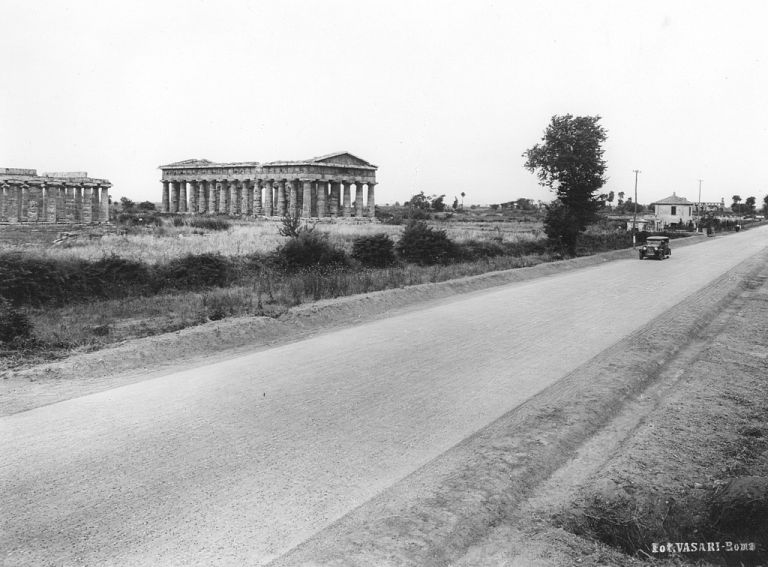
[673, 210]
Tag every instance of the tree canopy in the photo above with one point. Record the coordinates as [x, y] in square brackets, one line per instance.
[569, 160]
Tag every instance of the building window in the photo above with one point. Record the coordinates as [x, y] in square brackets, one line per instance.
[673, 211]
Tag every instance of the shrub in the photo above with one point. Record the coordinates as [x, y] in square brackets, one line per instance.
[210, 224]
[196, 272]
[423, 244]
[15, 328]
[376, 250]
[114, 277]
[306, 250]
[178, 221]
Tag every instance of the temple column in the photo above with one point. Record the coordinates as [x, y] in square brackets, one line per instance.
[359, 199]
[14, 204]
[202, 194]
[371, 203]
[3, 202]
[322, 191]
[193, 191]
[213, 196]
[174, 205]
[221, 189]
[335, 198]
[104, 204]
[268, 198]
[24, 217]
[87, 205]
[293, 197]
[33, 203]
[306, 209]
[166, 208]
[61, 203]
[183, 196]
[258, 210]
[280, 198]
[78, 203]
[95, 205]
[247, 207]
[69, 203]
[347, 211]
[51, 202]
[233, 202]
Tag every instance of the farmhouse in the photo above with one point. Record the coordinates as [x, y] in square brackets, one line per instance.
[673, 210]
[62, 197]
[316, 187]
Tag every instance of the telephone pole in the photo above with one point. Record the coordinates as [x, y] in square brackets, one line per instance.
[698, 209]
[634, 217]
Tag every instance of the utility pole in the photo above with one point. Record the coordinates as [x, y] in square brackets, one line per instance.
[698, 210]
[634, 218]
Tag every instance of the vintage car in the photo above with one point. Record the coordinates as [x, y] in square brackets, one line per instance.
[655, 247]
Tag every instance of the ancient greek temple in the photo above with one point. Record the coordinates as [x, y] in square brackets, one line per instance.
[317, 187]
[61, 197]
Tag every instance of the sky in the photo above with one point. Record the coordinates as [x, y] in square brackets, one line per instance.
[444, 97]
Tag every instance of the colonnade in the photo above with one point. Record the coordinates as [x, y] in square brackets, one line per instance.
[53, 201]
[270, 197]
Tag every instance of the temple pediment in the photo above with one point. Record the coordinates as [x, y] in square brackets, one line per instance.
[342, 158]
[190, 163]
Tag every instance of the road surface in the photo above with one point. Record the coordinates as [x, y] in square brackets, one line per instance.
[237, 462]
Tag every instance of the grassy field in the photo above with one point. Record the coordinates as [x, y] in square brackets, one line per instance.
[254, 287]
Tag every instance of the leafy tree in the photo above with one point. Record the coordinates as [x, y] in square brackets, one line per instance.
[455, 205]
[749, 203]
[127, 205]
[735, 206]
[621, 198]
[570, 162]
[146, 206]
[419, 201]
[765, 205]
[438, 203]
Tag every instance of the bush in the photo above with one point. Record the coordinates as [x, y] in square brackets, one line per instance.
[15, 328]
[210, 224]
[196, 272]
[376, 250]
[306, 250]
[423, 244]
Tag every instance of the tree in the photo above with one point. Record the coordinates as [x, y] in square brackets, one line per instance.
[765, 205]
[146, 206]
[749, 203]
[735, 206]
[570, 162]
[127, 205]
[621, 198]
[463, 194]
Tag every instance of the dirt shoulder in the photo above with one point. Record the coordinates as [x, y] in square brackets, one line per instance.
[135, 360]
[634, 416]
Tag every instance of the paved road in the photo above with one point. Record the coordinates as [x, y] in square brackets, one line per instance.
[237, 462]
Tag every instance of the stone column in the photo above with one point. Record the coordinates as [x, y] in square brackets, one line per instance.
[280, 198]
[78, 203]
[359, 199]
[347, 212]
[104, 204]
[221, 189]
[3, 202]
[213, 196]
[166, 198]
[371, 203]
[174, 205]
[247, 207]
[322, 191]
[293, 198]
[202, 197]
[183, 196]
[32, 203]
[61, 203]
[51, 201]
[335, 198]
[257, 190]
[306, 209]
[24, 216]
[268, 186]
[87, 205]
[193, 190]
[14, 204]
[233, 200]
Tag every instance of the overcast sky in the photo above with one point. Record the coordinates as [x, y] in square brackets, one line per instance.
[443, 97]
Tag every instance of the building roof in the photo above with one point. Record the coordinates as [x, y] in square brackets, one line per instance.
[673, 200]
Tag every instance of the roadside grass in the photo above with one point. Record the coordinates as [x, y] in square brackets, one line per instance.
[172, 295]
